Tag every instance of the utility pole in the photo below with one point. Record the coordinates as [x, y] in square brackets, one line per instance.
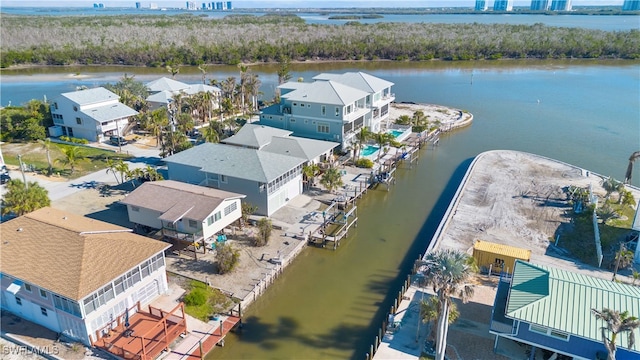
[24, 178]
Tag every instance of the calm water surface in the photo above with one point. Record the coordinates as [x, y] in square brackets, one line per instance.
[607, 23]
[329, 304]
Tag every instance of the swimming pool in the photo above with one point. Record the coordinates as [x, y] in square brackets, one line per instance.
[369, 149]
[396, 133]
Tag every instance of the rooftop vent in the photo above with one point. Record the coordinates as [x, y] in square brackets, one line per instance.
[19, 229]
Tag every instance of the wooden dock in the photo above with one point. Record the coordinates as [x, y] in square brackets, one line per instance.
[335, 225]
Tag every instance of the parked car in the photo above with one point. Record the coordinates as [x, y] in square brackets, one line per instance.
[4, 178]
[118, 140]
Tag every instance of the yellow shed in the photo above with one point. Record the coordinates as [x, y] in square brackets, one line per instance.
[498, 257]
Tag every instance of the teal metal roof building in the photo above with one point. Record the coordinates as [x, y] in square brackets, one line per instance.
[550, 309]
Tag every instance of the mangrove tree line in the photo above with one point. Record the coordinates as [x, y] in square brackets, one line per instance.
[192, 40]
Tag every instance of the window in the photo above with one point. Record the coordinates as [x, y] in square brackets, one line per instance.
[75, 108]
[217, 216]
[549, 332]
[210, 220]
[292, 120]
[193, 224]
[66, 305]
[135, 208]
[538, 329]
[55, 105]
[43, 294]
[301, 105]
[144, 269]
[323, 110]
[323, 128]
[78, 121]
[105, 123]
[223, 179]
[27, 287]
[229, 209]
[337, 111]
[18, 301]
[295, 104]
[43, 311]
[559, 334]
[308, 105]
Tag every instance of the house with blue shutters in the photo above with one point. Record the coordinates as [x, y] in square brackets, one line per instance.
[332, 108]
[550, 309]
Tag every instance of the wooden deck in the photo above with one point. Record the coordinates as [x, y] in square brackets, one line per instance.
[210, 340]
[148, 333]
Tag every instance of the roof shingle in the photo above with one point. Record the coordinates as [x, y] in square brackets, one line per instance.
[68, 254]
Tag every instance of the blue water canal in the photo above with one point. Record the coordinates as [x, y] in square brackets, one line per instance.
[329, 304]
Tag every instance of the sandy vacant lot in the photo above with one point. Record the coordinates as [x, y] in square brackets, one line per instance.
[516, 198]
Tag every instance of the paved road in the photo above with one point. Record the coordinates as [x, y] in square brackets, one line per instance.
[143, 156]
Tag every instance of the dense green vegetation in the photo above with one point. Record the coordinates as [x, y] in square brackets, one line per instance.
[203, 301]
[192, 40]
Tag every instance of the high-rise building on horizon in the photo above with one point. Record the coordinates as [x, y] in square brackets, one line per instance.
[631, 5]
[481, 5]
[561, 5]
[138, 5]
[540, 5]
[503, 5]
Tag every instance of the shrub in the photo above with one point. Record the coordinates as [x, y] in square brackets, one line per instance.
[196, 297]
[227, 258]
[264, 232]
[364, 163]
[65, 138]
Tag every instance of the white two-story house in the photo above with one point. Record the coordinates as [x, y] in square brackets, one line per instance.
[75, 275]
[333, 108]
[91, 114]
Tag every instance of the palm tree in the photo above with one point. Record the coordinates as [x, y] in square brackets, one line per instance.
[635, 156]
[46, 145]
[636, 276]
[72, 155]
[624, 259]
[123, 168]
[449, 273]
[111, 168]
[253, 87]
[158, 121]
[210, 134]
[429, 314]
[382, 139]
[20, 199]
[362, 136]
[174, 70]
[331, 179]
[203, 70]
[617, 323]
[309, 172]
[609, 185]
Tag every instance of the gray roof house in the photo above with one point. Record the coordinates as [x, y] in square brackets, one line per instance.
[162, 91]
[182, 209]
[278, 141]
[332, 108]
[269, 180]
[91, 114]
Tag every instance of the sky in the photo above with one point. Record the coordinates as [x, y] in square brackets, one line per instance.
[288, 3]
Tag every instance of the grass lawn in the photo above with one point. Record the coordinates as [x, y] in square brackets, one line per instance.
[33, 154]
[580, 239]
[214, 301]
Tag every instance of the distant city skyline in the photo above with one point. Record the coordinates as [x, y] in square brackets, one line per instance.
[294, 4]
